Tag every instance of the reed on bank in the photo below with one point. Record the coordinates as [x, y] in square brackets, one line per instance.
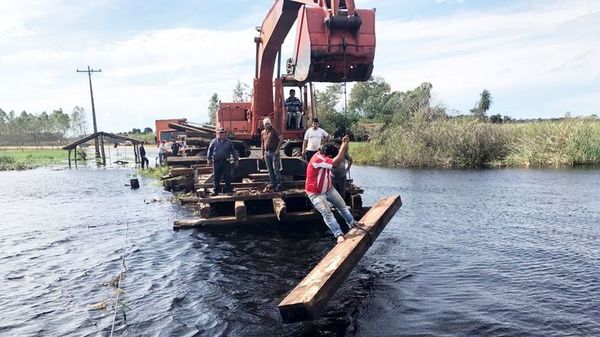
[28, 158]
[470, 143]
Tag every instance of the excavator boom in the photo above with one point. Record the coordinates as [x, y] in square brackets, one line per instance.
[335, 42]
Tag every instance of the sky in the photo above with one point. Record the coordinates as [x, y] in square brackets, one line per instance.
[164, 59]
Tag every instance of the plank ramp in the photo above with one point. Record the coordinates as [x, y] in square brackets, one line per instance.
[310, 297]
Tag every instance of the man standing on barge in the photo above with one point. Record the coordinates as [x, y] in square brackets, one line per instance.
[219, 152]
[270, 145]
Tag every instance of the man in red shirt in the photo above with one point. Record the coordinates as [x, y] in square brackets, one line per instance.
[320, 190]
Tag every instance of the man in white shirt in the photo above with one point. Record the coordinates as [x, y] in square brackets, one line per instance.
[312, 140]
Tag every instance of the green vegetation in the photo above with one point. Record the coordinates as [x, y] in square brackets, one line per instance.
[155, 172]
[406, 129]
[26, 158]
[470, 142]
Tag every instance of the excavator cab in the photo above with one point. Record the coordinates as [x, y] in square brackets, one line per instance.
[335, 42]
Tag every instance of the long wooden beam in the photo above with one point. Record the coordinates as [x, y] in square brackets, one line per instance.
[257, 196]
[310, 297]
[254, 219]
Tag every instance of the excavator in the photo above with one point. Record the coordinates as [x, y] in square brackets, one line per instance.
[335, 42]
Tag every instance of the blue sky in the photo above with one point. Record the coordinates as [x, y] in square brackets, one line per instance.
[163, 59]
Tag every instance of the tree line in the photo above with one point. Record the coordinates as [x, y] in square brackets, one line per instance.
[42, 128]
[372, 102]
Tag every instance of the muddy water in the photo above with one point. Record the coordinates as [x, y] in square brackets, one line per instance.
[471, 253]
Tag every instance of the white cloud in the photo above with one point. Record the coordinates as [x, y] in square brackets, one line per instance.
[507, 51]
[172, 72]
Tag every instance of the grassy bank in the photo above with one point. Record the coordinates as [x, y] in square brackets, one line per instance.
[27, 158]
[470, 143]
[155, 172]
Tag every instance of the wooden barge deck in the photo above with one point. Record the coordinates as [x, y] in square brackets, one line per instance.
[253, 204]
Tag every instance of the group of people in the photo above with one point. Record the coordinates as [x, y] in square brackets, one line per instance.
[167, 150]
[327, 166]
[164, 150]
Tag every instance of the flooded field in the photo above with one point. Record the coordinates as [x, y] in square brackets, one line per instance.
[470, 253]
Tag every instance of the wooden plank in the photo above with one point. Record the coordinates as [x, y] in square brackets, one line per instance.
[257, 196]
[204, 210]
[240, 210]
[254, 219]
[260, 177]
[186, 160]
[222, 221]
[311, 295]
[187, 200]
[279, 208]
[181, 171]
[248, 183]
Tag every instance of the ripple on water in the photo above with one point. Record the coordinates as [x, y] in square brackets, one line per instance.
[469, 254]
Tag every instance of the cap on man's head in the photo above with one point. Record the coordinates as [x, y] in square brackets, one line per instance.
[266, 121]
[219, 130]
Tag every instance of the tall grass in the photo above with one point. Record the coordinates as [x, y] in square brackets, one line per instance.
[26, 158]
[472, 143]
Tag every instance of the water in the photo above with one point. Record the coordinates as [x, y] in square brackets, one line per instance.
[470, 253]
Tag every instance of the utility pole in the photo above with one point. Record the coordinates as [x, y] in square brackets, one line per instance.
[90, 71]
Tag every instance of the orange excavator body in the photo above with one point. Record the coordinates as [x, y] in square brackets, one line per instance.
[335, 42]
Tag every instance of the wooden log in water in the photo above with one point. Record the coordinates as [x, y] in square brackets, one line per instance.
[240, 210]
[204, 210]
[257, 196]
[279, 208]
[307, 217]
[311, 295]
[249, 183]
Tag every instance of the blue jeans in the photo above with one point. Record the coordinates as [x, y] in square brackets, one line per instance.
[274, 167]
[321, 203]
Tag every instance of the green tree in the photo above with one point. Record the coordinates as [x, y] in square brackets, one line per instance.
[147, 130]
[368, 98]
[60, 121]
[78, 122]
[330, 117]
[483, 105]
[241, 92]
[213, 107]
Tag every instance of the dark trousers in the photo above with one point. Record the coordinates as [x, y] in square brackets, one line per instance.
[146, 161]
[309, 154]
[222, 168]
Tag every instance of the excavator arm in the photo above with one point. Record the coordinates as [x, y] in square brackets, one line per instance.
[335, 42]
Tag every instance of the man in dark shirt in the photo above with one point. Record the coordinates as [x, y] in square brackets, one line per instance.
[175, 148]
[219, 152]
[270, 144]
[143, 157]
[293, 108]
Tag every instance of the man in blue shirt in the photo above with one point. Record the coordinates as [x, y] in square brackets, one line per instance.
[293, 107]
[219, 152]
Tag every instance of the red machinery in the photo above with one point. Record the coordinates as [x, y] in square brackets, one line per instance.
[335, 42]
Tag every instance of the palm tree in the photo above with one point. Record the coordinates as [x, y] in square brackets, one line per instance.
[485, 101]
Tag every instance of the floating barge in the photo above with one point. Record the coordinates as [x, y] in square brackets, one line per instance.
[252, 202]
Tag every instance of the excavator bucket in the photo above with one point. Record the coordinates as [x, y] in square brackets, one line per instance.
[331, 47]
